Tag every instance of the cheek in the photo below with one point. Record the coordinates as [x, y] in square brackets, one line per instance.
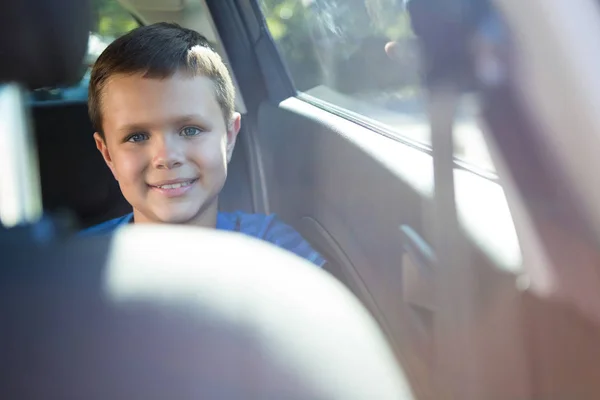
[211, 155]
[129, 166]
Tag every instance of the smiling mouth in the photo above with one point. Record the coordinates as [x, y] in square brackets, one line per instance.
[176, 185]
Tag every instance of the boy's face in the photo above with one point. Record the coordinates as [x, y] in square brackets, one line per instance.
[167, 144]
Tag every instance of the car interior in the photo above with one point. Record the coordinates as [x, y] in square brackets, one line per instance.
[436, 158]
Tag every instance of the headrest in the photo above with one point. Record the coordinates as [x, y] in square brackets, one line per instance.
[94, 319]
[42, 43]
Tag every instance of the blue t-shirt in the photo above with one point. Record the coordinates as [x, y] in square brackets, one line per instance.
[265, 227]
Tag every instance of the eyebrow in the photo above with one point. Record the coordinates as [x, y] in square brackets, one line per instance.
[179, 120]
[184, 119]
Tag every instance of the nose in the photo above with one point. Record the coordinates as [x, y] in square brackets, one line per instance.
[168, 153]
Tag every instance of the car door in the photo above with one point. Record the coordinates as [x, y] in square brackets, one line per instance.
[340, 128]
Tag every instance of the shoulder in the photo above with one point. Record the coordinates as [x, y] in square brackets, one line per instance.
[271, 229]
[107, 226]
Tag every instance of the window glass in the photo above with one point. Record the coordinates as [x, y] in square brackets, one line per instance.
[109, 21]
[362, 56]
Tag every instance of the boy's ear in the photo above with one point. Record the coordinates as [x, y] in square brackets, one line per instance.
[103, 149]
[233, 128]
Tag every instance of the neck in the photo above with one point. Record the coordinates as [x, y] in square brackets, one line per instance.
[206, 217]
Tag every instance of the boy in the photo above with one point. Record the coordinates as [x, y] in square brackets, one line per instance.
[162, 103]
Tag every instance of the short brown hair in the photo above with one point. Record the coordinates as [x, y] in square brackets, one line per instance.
[159, 51]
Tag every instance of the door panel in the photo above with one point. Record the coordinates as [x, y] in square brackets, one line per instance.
[314, 170]
[345, 202]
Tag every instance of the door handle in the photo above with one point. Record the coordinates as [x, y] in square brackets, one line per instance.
[418, 271]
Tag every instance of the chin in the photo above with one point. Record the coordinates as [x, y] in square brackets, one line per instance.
[176, 216]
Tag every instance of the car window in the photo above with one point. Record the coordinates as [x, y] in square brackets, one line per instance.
[109, 21]
[362, 57]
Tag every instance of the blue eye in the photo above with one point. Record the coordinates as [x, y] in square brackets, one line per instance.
[137, 137]
[190, 131]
